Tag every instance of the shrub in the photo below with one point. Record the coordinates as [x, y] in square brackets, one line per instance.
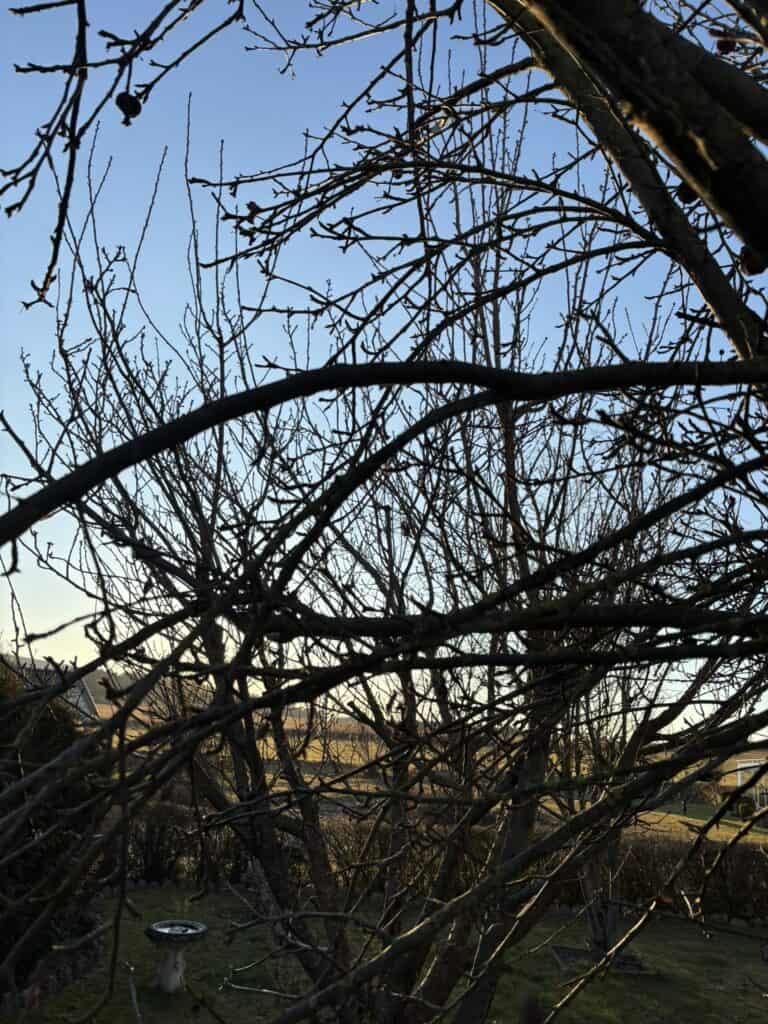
[156, 842]
[354, 854]
[706, 792]
[738, 887]
[53, 732]
[746, 807]
[221, 857]
[164, 845]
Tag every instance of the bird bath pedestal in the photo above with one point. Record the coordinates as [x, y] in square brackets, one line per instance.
[172, 937]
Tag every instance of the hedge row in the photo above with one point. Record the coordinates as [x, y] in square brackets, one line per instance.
[736, 888]
[163, 846]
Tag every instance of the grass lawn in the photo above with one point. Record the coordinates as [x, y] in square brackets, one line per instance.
[671, 820]
[207, 964]
[695, 979]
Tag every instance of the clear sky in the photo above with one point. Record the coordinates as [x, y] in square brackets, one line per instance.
[238, 97]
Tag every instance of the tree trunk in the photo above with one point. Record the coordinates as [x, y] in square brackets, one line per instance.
[597, 877]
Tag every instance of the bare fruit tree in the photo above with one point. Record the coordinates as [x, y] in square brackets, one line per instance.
[426, 611]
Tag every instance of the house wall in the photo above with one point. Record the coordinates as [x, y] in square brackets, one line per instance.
[738, 768]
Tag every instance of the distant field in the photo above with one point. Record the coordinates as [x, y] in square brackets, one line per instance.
[338, 750]
[339, 754]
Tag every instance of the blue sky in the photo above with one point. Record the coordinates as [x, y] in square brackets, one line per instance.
[236, 96]
[241, 98]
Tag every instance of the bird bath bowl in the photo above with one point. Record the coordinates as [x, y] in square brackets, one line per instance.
[172, 937]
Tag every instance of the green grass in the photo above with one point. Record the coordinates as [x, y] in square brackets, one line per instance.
[695, 979]
[207, 964]
[697, 812]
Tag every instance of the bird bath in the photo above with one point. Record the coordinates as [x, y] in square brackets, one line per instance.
[172, 937]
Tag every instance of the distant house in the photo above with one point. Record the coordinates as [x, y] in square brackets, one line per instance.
[90, 698]
[36, 676]
[105, 707]
[738, 769]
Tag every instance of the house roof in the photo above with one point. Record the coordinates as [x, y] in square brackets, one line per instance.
[34, 676]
